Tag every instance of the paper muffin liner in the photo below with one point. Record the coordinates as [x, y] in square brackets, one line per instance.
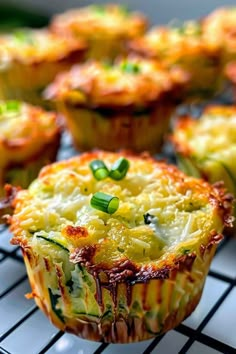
[86, 305]
[90, 129]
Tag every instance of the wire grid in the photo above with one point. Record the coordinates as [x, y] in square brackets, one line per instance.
[25, 330]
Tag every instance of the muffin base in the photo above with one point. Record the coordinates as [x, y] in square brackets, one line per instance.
[90, 129]
[148, 308]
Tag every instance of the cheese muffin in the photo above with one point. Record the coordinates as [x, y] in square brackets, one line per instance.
[207, 147]
[30, 59]
[117, 246]
[219, 28]
[106, 28]
[127, 104]
[29, 138]
[185, 46]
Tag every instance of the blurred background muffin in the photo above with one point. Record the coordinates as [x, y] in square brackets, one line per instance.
[106, 28]
[30, 59]
[29, 139]
[206, 147]
[127, 104]
[183, 44]
[219, 29]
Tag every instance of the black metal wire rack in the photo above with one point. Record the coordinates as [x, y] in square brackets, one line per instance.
[24, 329]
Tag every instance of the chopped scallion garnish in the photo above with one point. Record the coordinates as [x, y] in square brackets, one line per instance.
[99, 169]
[119, 169]
[24, 36]
[10, 107]
[129, 67]
[104, 202]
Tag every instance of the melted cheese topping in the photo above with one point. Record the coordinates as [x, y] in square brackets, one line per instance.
[182, 214]
[172, 44]
[24, 130]
[99, 20]
[131, 81]
[213, 134]
[30, 46]
[220, 26]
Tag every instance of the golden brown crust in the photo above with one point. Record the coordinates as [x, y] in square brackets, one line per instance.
[110, 20]
[37, 46]
[170, 45]
[94, 84]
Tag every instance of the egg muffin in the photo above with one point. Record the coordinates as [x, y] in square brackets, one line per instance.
[117, 246]
[29, 138]
[184, 45]
[207, 147]
[106, 28]
[127, 104]
[30, 59]
[219, 28]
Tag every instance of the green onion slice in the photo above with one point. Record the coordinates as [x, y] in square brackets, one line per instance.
[104, 202]
[99, 169]
[24, 36]
[119, 169]
[130, 67]
[10, 107]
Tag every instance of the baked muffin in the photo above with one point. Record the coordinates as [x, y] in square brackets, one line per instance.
[106, 28]
[219, 28]
[117, 247]
[29, 138]
[207, 147]
[127, 104]
[185, 46]
[30, 59]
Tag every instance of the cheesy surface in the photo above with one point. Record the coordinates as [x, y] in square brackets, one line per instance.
[219, 28]
[126, 82]
[33, 46]
[213, 134]
[98, 20]
[173, 44]
[162, 213]
[24, 130]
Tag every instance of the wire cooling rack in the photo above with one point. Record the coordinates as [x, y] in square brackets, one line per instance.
[24, 329]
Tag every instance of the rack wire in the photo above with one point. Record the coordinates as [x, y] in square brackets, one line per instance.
[25, 330]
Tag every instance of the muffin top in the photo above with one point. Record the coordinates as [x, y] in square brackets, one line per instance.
[172, 43]
[94, 21]
[33, 46]
[220, 27]
[213, 134]
[126, 82]
[134, 218]
[24, 130]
